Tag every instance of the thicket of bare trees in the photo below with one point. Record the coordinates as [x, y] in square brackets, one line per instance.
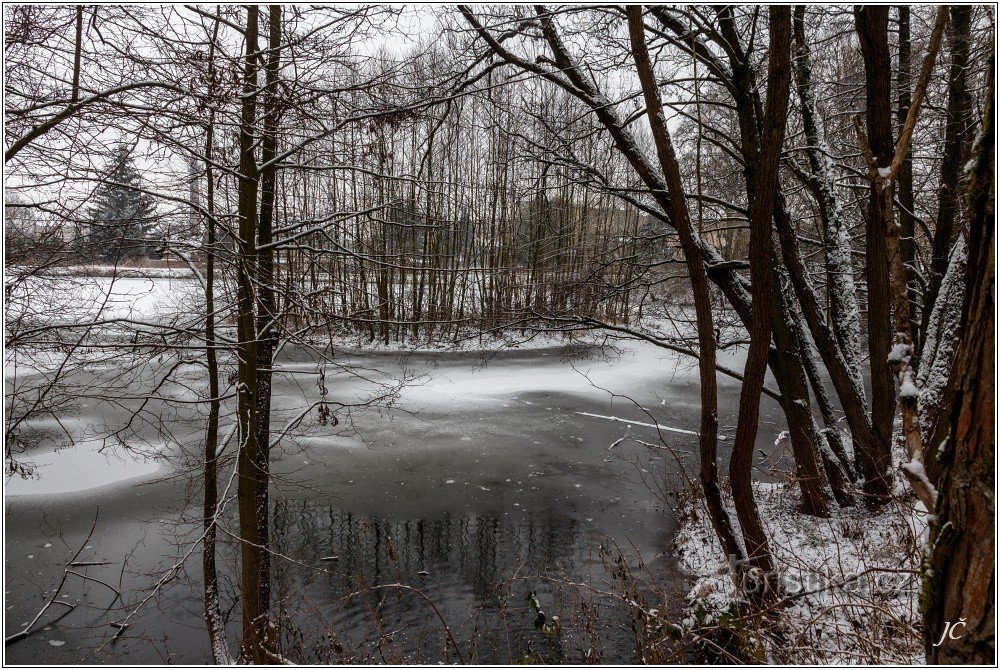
[552, 167]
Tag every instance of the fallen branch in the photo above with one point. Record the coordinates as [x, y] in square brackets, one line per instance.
[27, 630]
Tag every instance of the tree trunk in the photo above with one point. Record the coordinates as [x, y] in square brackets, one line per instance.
[960, 580]
[784, 358]
[761, 262]
[956, 130]
[872, 25]
[213, 614]
[845, 314]
[838, 337]
[836, 465]
[882, 180]
[907, 245]
[253, 554]
[267, 307]
[681, 219]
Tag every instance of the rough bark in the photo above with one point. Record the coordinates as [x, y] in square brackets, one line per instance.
[790, 375]
[937, 359]
[960, 578]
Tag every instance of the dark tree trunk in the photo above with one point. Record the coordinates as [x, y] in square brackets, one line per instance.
[784, 357]
[252, 551]
[844, 383]
[790, 375]
[267, 307]
[680, 217]
[907, 219]
[836, 465]
[960, 581]
[872, 25]
[213, 614]
[761, 268]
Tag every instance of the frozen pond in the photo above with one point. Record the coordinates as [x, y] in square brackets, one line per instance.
[489, 477]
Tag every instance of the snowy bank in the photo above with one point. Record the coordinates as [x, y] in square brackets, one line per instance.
[850, 583]
[512, 339]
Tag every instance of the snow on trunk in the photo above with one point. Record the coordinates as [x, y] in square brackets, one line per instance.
[941, 338]
[844, 309]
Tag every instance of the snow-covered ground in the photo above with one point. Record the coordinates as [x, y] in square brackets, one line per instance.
[470, 341]
[120, 271]
[850, 582]
[123, 297]
[76, 301]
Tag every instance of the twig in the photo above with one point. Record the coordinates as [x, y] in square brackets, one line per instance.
[20, 635]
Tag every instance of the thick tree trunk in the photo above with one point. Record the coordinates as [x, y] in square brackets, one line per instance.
[960, 579]
[937, 359]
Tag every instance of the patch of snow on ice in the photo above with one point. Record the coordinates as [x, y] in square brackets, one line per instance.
[80, 467]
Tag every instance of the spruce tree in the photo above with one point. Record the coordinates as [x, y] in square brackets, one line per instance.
[122, 214]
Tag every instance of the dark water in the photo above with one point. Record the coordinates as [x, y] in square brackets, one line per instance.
[482, 483]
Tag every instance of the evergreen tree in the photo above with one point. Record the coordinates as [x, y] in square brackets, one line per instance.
[122, 214]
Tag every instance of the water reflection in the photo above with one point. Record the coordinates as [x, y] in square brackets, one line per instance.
[476, 568]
